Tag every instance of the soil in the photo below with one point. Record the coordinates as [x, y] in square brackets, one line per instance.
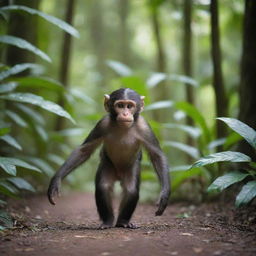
[70, 228]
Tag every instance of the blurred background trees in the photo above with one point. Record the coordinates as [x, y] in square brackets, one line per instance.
[193, 60]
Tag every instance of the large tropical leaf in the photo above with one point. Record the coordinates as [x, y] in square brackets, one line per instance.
[226, 180]
[8, 87]
[241, 128]
[192, 151]
[8, 189]
[39, 101]
[4, 129]
[42, 164]
[158, 77]
[16, 69]
[155, 79]
[31, 113]
[229, 156]
[21, 43]
[192, 131]
[192, 112]
[159, 105]
[11, 141]
[21, 183]
[16, 118]
[8, 164]
[61, 24]
[39, 82]
[120, 68]
[247, 193]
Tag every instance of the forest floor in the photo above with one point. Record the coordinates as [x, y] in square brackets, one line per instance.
[70, 228]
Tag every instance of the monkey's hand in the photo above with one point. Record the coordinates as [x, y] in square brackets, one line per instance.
[162, 202]
[54, 189]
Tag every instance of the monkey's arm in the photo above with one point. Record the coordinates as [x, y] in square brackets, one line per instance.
[77, 157]
[161, 167]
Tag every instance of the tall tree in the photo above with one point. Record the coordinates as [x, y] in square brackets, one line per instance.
[123, 12]
[161, 92]
[247, 89]
[97, 34]
[187, 57]
[65, 58]
[22, 25]
[218, 83]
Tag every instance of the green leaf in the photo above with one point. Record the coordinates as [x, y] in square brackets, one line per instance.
[8, 87]
[217, 143]
[192, 112]
[184, 79]
[192, 131]
[80, 95]
[155, 79]
[180, 168]
[21, 43]
[8, 164]
[39, 101]
[39, 82]
[192, 151]
[120, 68]
[247, 193]
[5, 219]
[56, 159]
[226, 156]
[179, 177]
[227, 180]
[61, 24]
[42, 164]
[232, 139]
[31, 113]
[41, 132]
[11, 141]
[71, 132]
[241, 128]
[8, 189]
[16, 69]
[135, 83]
[159, 105]
[4, 130]
[16, 118]
[21, 183]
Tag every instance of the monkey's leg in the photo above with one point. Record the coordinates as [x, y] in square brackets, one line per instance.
[130, 184]
[103, 194]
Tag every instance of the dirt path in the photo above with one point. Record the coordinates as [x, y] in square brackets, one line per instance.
[70, 228]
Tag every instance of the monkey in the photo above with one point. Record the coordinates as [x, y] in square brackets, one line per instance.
[123, 132]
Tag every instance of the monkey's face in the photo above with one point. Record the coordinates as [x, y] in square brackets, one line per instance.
[125, 110]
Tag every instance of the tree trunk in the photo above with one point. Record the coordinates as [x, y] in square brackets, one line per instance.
[187, 59]
[221, 101]
[98, 38]
[22, 25]
[161, 92]
[247, 87]
[124, 32]
[65, 59]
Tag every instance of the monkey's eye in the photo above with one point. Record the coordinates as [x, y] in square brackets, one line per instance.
[120, 105]
[129, 106]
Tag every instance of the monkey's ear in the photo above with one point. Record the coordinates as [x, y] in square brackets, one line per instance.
[142, 103]
[106, 99]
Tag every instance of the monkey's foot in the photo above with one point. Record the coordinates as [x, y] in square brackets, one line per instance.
[105, 226]
[126, 225]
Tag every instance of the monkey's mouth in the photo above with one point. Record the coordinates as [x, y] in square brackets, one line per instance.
[126, 123]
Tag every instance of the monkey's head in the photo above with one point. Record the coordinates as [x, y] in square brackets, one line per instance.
[124, 106]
